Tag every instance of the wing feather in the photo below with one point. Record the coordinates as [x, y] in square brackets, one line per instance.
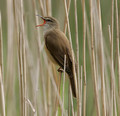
[58, 46]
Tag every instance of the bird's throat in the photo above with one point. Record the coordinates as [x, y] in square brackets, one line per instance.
[46, 28]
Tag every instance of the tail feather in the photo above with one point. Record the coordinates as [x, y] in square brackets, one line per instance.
[72, 82]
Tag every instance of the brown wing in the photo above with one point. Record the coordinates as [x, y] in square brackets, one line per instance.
[58, 46]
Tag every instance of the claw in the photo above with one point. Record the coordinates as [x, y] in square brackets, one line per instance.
[60, 70]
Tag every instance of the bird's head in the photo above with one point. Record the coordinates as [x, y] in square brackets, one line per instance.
[49, 23]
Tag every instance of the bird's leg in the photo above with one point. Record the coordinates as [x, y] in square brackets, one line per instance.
[60, 70]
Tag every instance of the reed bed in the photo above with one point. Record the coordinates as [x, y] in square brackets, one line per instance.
[30, 84]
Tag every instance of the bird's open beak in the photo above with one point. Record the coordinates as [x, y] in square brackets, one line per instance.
[43, 20]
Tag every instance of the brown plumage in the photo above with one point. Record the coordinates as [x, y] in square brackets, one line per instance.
[57, 45]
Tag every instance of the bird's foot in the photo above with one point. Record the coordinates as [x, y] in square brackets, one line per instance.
[60, 70]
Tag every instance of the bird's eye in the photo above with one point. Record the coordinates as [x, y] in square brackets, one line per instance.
[49, 20]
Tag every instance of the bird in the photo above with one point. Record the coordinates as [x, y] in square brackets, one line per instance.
[57, 46]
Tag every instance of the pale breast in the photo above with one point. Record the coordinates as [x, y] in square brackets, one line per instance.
[50, 56]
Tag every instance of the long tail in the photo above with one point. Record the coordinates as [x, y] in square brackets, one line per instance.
[72, 82]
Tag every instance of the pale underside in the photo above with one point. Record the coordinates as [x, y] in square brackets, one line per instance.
[50, 56]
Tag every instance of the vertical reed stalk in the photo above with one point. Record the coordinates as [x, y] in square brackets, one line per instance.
[10, 63]
[69, 104]
[119, 89]
[1, 45]
[58, 88]
[111, 104]
[115, 108]
[58, 82]
[48, 7]
[118, 54]
[21, 75]
[80, 92]
[84, 97]
[93, 60]
[84, 56]
[2, 97]
[23, 56]
[102, 63]
[73, 113]
[64, 79]
[49, 13]
[113, 98]
[77, 54]
[19, 50]
[24, 72]
[44, 95]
